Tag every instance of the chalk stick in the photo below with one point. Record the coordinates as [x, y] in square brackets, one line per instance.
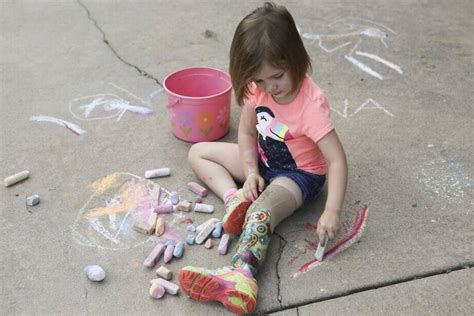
[170, 287]
[20, 176]
[157, 291]
[208, 244]
[155, 173]
[204, 233]
[140, 227]
[162, 209]
[203, 208]
[168, 253]
[160, 226]
[95, 273]
[32, 200]
[164, 273]
[178, 250]
[213, 220]
[151, 223]
[191, 228]
[184, 206]
[155, 195]
[197, 188]
[198, 199]
[174, 197]
[154, 255]
[319, 254]
[190, 239]
[223, 244]
[217, 232]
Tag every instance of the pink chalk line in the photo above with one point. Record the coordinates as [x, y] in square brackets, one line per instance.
[70, 126]
[349, 239]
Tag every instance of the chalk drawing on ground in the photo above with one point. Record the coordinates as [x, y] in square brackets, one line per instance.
[369, 104]
[76, 129]
[349, 35]
[301, 254]
[105, 221]
[110, 105]
[445, 179]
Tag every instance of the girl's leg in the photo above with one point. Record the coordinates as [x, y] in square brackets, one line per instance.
[278, 201]
[217, 165]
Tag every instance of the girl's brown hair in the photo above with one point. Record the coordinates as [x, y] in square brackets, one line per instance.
[268, 34]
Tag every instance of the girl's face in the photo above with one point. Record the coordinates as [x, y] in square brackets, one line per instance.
[275, 81]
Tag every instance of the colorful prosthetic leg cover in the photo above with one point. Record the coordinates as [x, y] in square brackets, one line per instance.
[253, 243]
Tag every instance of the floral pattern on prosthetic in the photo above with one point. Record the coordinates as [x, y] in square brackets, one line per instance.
[253, 243]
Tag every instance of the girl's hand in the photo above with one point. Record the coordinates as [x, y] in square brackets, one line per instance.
[329, 223]
[253, 186]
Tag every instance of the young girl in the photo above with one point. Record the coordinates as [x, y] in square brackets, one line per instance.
[286, 145]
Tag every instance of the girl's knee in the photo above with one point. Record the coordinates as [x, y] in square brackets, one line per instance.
[198, 151]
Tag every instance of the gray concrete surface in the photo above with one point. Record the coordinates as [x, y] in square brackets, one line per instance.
[407, 135]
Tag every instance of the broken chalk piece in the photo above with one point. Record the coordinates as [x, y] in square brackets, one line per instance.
[20, 176]
[217, 232]
[164, 273]
[157, 291]
[160, 226]
[167, 208]
[210, 220]
[32, 200]
[155, 173]
[203, 208]
[191, 228]
[174, 197]
[154, 255]
[168, 253]
[178, 250]
[170, 287]
[197, 188]
[140, 227]
[198, 199]
[208, 244]
[190, 240]
[151, 223]
[184, 206]
[223, 244]
[95, 273]
[204, 233]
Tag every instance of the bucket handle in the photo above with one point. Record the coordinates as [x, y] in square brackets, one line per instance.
[172, 104]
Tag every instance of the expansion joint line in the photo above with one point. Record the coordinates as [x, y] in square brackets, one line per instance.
[104, 39]
[283, 243]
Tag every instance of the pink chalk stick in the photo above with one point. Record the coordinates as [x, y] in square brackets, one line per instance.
[169, 253]
[197, 188]
[155, 195]
[160, 226]
[156, 290]
[167, 208]
[208, 244]
[184, 206]
[170, 287]
[223, 244]
[154, 256]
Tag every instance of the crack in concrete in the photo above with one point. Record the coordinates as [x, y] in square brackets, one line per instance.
[104, 39]
[280, 251]
[462, 266]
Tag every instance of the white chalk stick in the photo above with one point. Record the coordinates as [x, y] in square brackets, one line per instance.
[11, 180]
[200, 227]
[203, 208]
[204, 233]
[321, 248]
[170, 287]
[155, 173]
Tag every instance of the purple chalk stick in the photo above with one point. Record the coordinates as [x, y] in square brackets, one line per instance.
[170, 287]
[169, 253]
[223, 244]
[154, 256]
[167, 208]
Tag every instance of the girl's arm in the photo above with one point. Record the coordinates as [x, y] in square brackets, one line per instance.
[247, 139]
[332, 150]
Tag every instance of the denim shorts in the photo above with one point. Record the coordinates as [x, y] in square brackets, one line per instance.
[310, 184]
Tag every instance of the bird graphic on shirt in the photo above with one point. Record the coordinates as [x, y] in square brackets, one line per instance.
[273, 134]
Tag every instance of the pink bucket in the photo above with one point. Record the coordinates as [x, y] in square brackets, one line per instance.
[199, 103]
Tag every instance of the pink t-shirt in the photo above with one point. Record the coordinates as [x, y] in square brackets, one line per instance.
[288, 134]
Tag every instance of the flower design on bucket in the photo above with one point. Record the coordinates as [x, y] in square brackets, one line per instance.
[223, 118]
[183, 121]
[205, 121]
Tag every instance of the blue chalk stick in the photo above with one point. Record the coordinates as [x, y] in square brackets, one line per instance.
[190, 240]
[191, 228]
[178, 250]
[216, 233]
